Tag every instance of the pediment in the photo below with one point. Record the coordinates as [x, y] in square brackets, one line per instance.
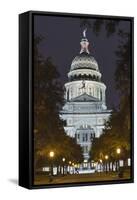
[84, 97]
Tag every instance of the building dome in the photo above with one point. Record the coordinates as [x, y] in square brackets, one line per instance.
[84, 61]
[84, 66]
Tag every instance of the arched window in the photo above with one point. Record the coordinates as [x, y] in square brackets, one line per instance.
[100, 94]
[94, 77]
[68, 95]
[75, 77]
[89, 76]
[80, 77]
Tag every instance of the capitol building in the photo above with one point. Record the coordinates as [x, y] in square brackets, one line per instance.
[85, 111]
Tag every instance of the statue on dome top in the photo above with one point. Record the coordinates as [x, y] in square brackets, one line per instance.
[84, 32]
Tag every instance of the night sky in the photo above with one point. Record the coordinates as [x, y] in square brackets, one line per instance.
[62, 44]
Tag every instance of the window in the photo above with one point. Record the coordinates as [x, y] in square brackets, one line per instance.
[65, 122]
[100, 94]
[85, 149]
[77, 137]
[68, 95]
[85, 137]
[92, 136]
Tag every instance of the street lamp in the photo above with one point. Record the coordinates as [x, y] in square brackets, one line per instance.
[63, 159]
[51, 155]
[118, 151]
[73, 164]
[70, 162]
[106, 158]
[100, 160]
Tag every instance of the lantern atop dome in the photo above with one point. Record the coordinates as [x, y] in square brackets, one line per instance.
[84, 43]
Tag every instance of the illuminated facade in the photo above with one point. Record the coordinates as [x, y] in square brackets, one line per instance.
[85, 110]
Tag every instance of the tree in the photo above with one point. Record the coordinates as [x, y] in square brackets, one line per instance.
[49, 132]
[113, 137]
[110, 25]
[117, 131]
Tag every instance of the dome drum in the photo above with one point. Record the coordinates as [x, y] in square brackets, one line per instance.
[93, 88]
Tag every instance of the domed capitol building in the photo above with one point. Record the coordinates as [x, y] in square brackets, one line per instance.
[85, 110]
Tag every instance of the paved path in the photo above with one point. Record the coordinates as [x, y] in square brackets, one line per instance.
[43, 179]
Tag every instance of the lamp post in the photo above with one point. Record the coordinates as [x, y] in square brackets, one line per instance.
[106, 158]
[118, 151]
[51, 155]
[63, 159]
[73, 164]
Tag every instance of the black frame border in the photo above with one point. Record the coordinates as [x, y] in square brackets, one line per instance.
[26, 114]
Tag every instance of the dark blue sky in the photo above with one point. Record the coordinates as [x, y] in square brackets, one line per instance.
[62, 44]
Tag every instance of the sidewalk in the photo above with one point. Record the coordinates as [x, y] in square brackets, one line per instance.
[75, 178]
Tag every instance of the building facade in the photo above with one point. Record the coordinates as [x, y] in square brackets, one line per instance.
[85, 110]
